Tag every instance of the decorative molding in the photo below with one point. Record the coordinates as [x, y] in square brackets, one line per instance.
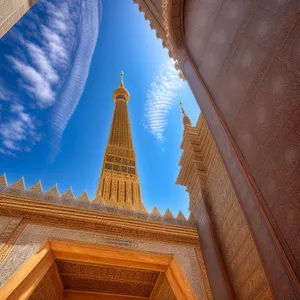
[154, 17]
[52, 196]
[70, 217]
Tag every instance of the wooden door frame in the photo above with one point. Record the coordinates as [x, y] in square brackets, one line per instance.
[24, 281]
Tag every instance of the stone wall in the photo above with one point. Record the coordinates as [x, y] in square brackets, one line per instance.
[225, 236]
[239, 252]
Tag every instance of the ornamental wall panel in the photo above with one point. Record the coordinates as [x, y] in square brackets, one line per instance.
[246, 53]
[238, 249]
[229, 226]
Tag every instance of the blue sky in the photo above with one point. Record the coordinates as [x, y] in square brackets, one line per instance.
[58, 69]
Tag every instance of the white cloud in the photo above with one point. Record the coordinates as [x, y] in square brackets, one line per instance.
[5, 94]
[34, 83]
[42, 62]
[161, 96]
[16, 108]
[47, 55]
[16, 130]
[52, 57]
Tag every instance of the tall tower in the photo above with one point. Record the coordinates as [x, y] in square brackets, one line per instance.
[119, 184]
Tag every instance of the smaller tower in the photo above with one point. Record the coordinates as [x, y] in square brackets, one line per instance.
[186, 120]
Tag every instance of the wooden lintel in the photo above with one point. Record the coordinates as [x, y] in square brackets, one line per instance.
[110, 255]
[179, 283]
[79, 295]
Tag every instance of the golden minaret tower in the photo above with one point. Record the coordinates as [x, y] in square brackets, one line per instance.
[119, 184]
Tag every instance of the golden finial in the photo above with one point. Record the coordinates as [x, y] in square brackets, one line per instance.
[121, 90]
[182, 109]
[186, 120]
[122, 79]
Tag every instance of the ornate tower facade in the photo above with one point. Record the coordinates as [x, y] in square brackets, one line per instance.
[119, 183]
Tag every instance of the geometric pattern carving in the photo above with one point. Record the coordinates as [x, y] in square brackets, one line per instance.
[238, 250]
[162, 289]
[7, 227]
[106, 278]
[50, 287]
[10, 230]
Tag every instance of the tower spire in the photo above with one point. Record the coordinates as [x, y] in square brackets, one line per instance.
[186, 120]
[119, 183]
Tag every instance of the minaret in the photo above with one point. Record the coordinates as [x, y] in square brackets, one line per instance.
[119, 183]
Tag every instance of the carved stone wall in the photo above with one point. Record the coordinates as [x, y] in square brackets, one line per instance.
[11, 11]
[7, 227]
[246, 53]
[213, 199]
[33, 236]
[9, 232]
[239, 252]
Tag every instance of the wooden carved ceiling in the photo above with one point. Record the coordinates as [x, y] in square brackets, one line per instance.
[106, 278]
[67, 271]
[67, 278]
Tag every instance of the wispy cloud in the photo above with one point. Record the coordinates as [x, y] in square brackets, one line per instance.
[160, 98]
[79, 71]
[53, 47]
[5, 94]
[17, 128]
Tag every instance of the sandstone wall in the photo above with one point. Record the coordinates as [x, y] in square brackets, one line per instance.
[11, 11]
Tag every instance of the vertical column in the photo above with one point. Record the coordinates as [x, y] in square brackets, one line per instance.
[217, 274]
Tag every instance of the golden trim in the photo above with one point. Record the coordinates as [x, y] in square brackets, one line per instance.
[37, 211]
